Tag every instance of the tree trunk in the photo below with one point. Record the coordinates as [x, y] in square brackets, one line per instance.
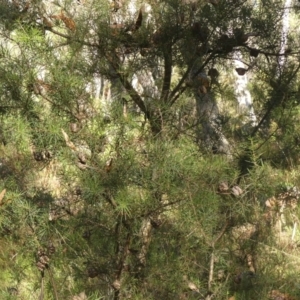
[210, 136]
[243, 96]
[284, 36]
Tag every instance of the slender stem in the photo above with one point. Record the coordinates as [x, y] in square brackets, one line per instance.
[211, 270]
[53, 284]
[167, 73]
[179, 89]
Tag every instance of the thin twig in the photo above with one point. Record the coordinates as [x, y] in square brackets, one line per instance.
[57, 105]
[211, 270]
[276, 249]
[294, 230]
[52, 283]
[221, 233]
[41, 296]
[168, 64]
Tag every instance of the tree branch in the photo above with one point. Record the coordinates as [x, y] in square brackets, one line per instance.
[115, 64]
[276, 54]
[212, 262]
[58, 106]
[71, 38]
[179, 89]
[123, 254]
[274, 103]
[167, 73]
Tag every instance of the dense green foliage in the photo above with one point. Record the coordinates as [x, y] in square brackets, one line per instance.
[118, 197]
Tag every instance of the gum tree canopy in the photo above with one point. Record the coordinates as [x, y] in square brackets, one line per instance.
[111, 112]
[156, 51]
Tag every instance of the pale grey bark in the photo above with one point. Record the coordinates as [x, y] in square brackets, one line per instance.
[210, 136]
[242, 93]
[284, 35]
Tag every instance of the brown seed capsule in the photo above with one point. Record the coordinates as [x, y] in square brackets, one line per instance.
[51, 249]
[213, 73]
[38, 156]
[116, 284]
[223, 187]
[241, 71]
[75, 127]
[81, 158]
[92, 272]
[41, 252]
[254, 52]
[40, 266]
[155, 223]
[44, 259]
[236, 191]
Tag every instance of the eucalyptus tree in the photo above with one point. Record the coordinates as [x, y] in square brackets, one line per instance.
[165, 47]
[128, 203]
